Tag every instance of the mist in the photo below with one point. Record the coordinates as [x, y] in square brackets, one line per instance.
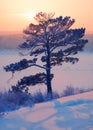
[89, 45]
[11, 41]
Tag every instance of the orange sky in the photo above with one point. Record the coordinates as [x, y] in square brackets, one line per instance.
[14, 14]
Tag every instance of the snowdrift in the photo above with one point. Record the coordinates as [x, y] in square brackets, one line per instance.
[68, 113]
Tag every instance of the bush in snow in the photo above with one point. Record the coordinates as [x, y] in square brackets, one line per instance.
[11, 101]
[70, 90]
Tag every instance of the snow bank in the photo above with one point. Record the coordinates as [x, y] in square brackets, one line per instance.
[68, 113]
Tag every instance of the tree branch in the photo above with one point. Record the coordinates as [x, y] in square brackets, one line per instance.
[19, 67]
[39, 66]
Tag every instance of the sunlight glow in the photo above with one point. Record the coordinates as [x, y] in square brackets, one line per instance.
[22, 12]
[29, 15]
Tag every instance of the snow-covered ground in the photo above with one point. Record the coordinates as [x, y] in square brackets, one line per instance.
[68, 113]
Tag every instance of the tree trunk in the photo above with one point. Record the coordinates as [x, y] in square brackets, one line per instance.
[49, 87]
[48, 73]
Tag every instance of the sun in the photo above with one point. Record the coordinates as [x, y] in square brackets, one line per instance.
[29, 15]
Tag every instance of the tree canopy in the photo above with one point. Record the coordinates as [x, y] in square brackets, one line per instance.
[53, 41]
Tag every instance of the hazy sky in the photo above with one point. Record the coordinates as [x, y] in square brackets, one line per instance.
[15, 15]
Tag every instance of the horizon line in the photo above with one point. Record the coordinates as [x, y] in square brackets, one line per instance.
[21, 32]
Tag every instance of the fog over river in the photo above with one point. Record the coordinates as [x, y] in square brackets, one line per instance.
[78, 75]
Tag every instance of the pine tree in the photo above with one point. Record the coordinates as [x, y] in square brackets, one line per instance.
[54, 42]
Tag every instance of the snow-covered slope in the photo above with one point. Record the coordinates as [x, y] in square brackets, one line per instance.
[69, 113]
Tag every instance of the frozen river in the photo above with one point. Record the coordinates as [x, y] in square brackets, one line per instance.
[78, 75]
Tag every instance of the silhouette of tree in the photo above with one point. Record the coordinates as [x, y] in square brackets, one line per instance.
[54, 42]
